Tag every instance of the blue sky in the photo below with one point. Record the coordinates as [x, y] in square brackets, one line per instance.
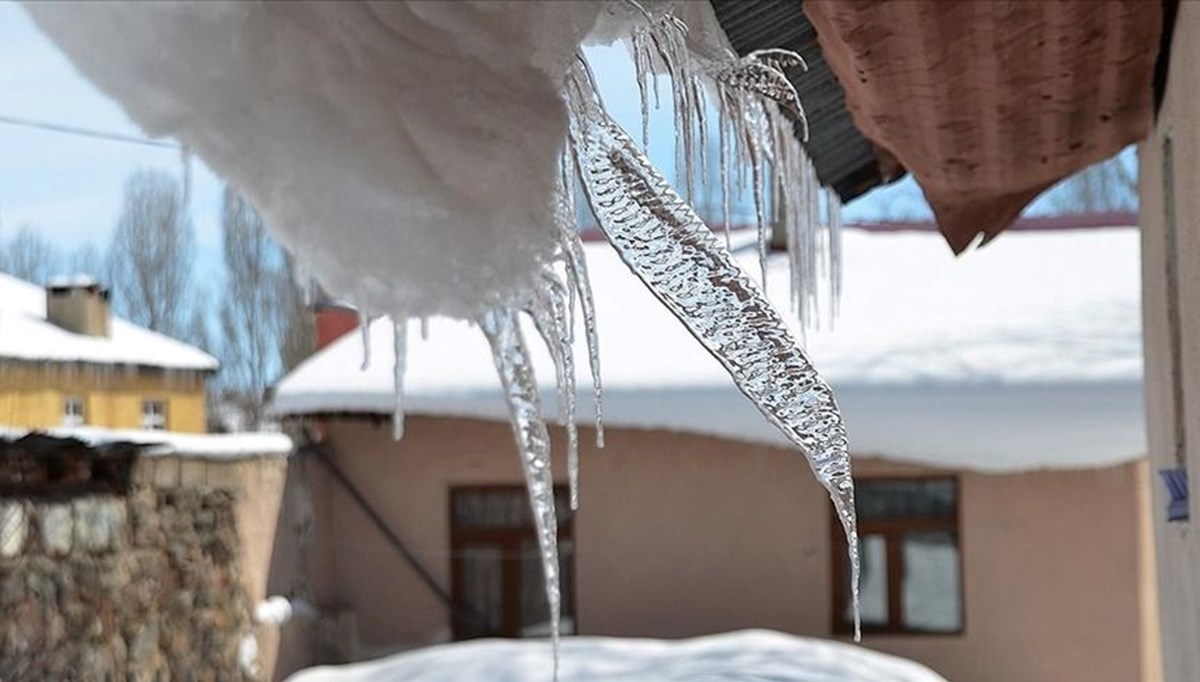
[69, 187]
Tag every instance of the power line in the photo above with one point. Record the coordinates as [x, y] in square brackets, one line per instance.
[89, 132]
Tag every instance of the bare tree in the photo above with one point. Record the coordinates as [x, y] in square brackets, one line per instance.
[30, 256]
[150, 261]
[297, 326]
[1107, 187]
[263, 321]
[87, 259]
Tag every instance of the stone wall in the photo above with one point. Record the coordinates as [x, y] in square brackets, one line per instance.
[140, 587]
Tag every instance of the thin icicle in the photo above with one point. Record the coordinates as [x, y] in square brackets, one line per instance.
[834, 207]
[424, 328]
[185, 159]
[515, 368]
[577, 262]
[364, 327]
[643, 72]
[752, 111]
[550, 318]
[665, 244]
[400, 347]
[723, 132]
[701, 105]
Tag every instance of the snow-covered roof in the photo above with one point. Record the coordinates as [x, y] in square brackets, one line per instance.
[744, 655]
[1021, 355]
[25, 334]
[197, 445]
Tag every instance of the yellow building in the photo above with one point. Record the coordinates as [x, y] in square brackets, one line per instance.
[65, 360]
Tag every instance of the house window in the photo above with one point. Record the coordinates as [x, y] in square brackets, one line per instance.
[73, 411]
[911, 564]
[496, 568]
[154, 415]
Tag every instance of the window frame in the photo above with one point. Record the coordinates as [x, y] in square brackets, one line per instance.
[509, 538]
[146, 423]
[71, 419]
[893, 531]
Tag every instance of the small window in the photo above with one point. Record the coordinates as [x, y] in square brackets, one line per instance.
[73, 411]
[154, 415]
[496, 565]
[909, 553]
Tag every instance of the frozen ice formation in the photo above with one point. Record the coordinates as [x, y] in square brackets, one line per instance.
[422, 158]
[676, 255]
[533, 443]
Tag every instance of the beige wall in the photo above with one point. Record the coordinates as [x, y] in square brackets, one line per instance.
[259, 486]
[1177, 545]
[682, 535]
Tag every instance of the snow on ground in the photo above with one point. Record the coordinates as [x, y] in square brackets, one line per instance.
[746, 655]
[26, 335]
[199, 445]
[1021, 355]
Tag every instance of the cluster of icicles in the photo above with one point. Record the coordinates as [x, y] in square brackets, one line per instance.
[662, 240]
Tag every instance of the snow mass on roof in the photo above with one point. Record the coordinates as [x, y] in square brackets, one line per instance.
[1022, 355]
[25, 334]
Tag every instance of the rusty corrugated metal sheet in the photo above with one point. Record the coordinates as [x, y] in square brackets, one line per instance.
[844, 159]
[990, 103]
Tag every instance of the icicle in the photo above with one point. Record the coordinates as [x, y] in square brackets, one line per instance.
[761, 73]
[723, 126]
[700, 104]
[400, 345]
[424, 328]
[833, 204]
[754, 143]
[568, 229]
[185, 158]
[515, 368]
[577, 262]
[670, 249]
[577, 275]
[365, 328]
[550, 319]
[643, 71]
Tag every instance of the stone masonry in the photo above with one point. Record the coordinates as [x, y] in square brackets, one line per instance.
[106, 587]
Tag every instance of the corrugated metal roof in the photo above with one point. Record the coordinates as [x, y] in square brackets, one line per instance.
[844, 159]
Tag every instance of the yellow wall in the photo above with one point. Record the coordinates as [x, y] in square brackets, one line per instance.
[32, 395]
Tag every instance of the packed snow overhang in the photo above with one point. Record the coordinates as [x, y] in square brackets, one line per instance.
[986, 104]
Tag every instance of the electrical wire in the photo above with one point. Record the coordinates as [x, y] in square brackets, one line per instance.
[89, 132]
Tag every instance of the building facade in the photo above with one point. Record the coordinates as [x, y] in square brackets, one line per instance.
[65, 360]
[980, 576]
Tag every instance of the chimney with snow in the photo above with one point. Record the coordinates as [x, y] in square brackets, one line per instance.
[78, 304]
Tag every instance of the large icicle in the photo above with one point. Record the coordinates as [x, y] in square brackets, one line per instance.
[515, 368]
[675, 254]
[400, 347]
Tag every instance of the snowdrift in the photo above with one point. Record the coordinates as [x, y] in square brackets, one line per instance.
[745, 655]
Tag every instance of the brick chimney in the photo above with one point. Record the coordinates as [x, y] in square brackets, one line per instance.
[78, 304]
[334, 320]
